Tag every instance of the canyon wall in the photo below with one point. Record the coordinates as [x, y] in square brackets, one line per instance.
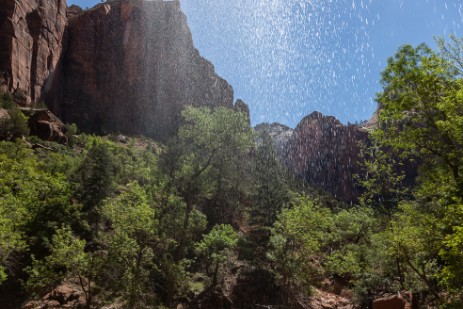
[31, 37]
[123, 66]
[323, 152]
[131, 67]
[326, 154]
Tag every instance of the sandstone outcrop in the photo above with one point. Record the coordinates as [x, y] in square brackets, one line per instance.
[131, 67]
[66, 295]
[123, 66]
[325, 300]
[48, 127]
[31, 36]
[326, 153]
[400, 301]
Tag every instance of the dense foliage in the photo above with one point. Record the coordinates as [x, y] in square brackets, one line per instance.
[149, 225]
[136, 221]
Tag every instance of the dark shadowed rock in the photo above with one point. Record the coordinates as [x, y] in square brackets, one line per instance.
[131, 67]
[326, 153]
[242, 107]
[4, 119]
[48, 127]
[31, 34]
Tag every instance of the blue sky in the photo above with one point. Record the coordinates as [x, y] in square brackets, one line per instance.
[288, 58]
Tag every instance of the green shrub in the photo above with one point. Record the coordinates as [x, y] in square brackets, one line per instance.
[7, 101]
[71, 132]
[20, 95]
[16, 126]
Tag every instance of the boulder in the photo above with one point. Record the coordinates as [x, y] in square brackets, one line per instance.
[47, 126]
[66, 295]
[399, 301]
[4, 115]
[325, 300]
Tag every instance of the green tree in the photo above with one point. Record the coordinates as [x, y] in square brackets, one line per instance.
[11, 236]
[350, 234]
[216, 246]
[7, 101]
[67, 260]
[421, 112]
[420, 118]
[271, 188]
[14, 127]
[71, 132]
[296, 243]
[206, 164]
[95, 176]
[133, 234]
[38, 202]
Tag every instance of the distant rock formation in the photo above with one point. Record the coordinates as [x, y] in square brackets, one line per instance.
[242, 107]
[321, 151]
[131, 67]
[280, 135]
[326, 153]
[31, 36]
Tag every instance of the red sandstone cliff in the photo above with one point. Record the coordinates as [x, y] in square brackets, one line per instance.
[325, 153]
[123, 66]
[31, 35]
[132, 67]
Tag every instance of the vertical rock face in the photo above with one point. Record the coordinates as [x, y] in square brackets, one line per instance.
[31, 35]
[326, 153]
[131, 67]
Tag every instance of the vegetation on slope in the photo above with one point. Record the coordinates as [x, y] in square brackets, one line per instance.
[149, 225]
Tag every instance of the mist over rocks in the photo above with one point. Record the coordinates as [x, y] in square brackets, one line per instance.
[322, 151]
[131, 67]
[326, 153]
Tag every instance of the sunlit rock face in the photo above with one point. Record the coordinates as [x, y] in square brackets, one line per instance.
[326, 153]
[131, 67]
[31, 35]
[280, 135]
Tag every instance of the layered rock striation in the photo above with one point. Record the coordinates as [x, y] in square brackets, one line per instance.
[123, 66]
[31, 37]
[131, 67]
